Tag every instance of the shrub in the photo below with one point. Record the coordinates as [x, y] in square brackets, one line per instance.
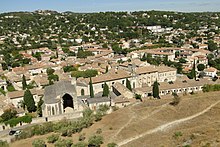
[176, 99]
[4, 143]
[63, 143]
[53, 138]
[80, 144]
[82, 137]
[61, 124]
[38, 143]
[138, 97]
[112, 144]
[98, 116]
[177, 135]
[2, 92]
[87, 113]
[114, 108]
[10, 88]
[25, 134]
[8, 114]
[64, 132]
[103, 109]
[99, 131]
[95, 141]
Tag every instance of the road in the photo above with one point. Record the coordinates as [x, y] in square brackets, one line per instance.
[4, 134]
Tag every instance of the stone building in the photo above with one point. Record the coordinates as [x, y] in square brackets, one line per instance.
[61, 98]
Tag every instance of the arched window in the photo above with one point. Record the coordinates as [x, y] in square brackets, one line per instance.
[82, 92]
[53, 112]
[67, 101]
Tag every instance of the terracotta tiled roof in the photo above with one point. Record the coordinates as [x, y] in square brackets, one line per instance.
[210, 69]
[18, 94]
[110, 76]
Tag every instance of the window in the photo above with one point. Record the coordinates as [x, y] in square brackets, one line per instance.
[123, 81]
[102, 85]
[82, 92]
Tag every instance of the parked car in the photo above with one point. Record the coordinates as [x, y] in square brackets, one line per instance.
[18, 132]
[12, 132]
[15, 132]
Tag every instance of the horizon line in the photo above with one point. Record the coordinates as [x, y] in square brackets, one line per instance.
[109, 11]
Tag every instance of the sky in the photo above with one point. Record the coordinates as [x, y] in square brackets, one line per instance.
[110, 5]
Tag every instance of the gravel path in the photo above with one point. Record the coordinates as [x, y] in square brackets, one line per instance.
[167, 125]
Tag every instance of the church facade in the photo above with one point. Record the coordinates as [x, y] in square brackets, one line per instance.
[61, 98]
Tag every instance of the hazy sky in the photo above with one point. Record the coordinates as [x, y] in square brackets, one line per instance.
[109, 5]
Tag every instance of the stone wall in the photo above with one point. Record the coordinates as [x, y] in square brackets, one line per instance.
[54, 118]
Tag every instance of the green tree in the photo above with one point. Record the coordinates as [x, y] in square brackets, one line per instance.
[52, 138]
[29, 101]
[105, 90]
[182, 60]
[112, 144]
[156, 90]
[138, 97]
[80, 144]
[38, 143]
[95, 141]
[8, 114]
[24, 83]
[192, 73]
[128, 84]
[91, 88]
[212, 46]
[176, 99]
[63, 143]
[4, 143]
[50, 71]
[39, 107]
[200, 67]
[194, 70]
[106, 69]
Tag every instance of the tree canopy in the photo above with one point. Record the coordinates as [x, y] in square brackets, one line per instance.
[29, 101]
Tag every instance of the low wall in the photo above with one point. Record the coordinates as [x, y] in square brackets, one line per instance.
[40, 120]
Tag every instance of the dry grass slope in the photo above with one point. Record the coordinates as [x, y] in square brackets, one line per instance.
[195, 121]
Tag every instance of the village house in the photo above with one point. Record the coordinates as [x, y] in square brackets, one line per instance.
[179, 87]
[16, 97]
[154, 53]
[146, 76]
[94, 103]
[211, 72]
[110, 78]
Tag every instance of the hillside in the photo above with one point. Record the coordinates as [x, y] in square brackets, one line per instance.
[194, 121]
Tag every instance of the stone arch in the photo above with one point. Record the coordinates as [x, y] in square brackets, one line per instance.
[82, 92]
[67, 101]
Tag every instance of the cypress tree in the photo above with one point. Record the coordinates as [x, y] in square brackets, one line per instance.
[29, 101]
[105, 90]
[91, 88]
[194, 70]
[39, 108]
[106, 69]
[24, 83]
[156, 90]
[128, 84]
